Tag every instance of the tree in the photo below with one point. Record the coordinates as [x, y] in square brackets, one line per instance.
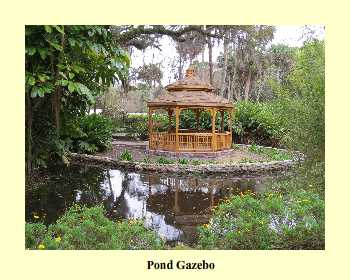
[150, 74]
[66, 67]
[247, 59]
[189, 49]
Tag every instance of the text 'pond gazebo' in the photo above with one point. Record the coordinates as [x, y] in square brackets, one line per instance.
[192, 94]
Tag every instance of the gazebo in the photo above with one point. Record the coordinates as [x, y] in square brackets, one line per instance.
[191, 93]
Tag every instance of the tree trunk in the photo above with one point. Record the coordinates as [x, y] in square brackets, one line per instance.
[224, 68]
[29, 123]
[247, 85]
[229, 89]
[210, 49]
[56, 108]
[56, 97]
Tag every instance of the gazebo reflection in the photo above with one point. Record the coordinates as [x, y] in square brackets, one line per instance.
[187, 202]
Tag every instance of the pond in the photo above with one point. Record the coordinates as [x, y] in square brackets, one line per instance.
[171, 206]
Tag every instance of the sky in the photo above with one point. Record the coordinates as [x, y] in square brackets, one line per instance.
[291, 35]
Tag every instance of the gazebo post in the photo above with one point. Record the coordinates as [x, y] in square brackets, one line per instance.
[150, 126]
[177, 120]
[170, 113]
[213, 135]
[231, 119]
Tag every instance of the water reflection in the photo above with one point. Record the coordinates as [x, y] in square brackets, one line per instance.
[172, 206]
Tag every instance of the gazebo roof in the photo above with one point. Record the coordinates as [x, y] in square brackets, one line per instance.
[191, 92]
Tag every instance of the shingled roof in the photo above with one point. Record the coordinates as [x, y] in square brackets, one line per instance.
[190, 91]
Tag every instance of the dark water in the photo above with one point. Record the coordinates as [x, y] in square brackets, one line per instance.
[171, 206]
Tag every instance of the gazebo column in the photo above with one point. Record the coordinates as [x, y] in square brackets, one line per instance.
[170, 113]
[177, 121]
[150, 127]
[213, 134]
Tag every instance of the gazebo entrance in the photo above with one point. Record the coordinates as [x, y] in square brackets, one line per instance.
[190, 93]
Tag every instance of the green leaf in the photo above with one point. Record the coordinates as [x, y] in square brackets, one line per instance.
[84, 90]
[34, 92]
[71, 75]
[71, 42]
[55, 45]
[41, 92]
[42, 78]
[31, 80]
[63, 75]
[59, 29]
[71, 87]
[31, 51]
[43, 53]
[48, 28]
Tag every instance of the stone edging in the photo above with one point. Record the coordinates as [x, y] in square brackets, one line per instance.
[232, 169]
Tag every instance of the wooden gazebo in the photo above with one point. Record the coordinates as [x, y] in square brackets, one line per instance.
[191, 93]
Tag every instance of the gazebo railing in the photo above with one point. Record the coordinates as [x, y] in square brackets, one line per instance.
[195, 141]
[223, 140]
[198, 142]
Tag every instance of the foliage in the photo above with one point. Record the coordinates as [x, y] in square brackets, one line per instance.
[257, 123]
[246, 62]
[150, 74]
[126, 156]
[269, 222]
[34, 234]
[88, 134]
[66, 67]
[184, 161]
[163, 160]
[82, 228]
[137, 125]
[301, 103]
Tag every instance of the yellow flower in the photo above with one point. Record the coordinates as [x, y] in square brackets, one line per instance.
[41, 246]
[58, 239]
[36, 216]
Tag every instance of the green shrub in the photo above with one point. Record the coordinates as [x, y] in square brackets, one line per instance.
[256, 123]
[270, 222]
[88, 134]
[98, 130]
[82, 228]
[34, 233]
[136, 126]
[183, 161]
[126, 156]
[163, 160]
[195, 162]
